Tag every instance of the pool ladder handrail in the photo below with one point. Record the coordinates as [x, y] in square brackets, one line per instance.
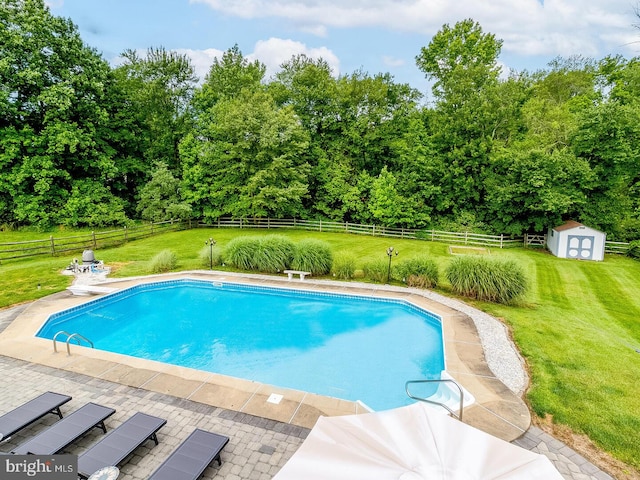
[426, 400]
[70, 336]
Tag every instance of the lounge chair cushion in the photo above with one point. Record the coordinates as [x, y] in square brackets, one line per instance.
[24, 415]
[67, 430]
[118, 444]
[192, 457]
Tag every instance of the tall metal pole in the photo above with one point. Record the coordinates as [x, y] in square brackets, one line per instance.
[390, 254]
[211, 242]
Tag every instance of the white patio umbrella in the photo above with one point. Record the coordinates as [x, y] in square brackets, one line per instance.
[409, 443]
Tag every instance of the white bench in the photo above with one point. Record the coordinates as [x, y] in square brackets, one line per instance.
[291, 273]
[87, 289]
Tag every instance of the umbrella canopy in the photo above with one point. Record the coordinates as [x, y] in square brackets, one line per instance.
[409, 443]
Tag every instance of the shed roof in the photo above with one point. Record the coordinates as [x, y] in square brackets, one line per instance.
[569, 224]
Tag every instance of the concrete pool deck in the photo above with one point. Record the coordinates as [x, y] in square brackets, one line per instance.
[259, 446]
[497, 409]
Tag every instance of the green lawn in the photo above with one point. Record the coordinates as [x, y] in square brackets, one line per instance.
[578, 327]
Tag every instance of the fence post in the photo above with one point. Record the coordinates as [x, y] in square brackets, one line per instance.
[373, 230]
[466, 233]
[501, 237]
[93, 237]
[433, 235]
[320, 224]
[53, 245]
[346, 227]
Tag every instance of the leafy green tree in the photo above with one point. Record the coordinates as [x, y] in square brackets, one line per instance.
[91, 203]
[160, 198]
[160, 88]
[245, 159]
[153, 115]
[388, 207]
[227, 78]
[307, 86]
[533, 189]
[462, 62]
[459, 60]
[608, 138]
[54, 128]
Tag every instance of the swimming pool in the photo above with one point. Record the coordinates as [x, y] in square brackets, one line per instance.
[345, 346]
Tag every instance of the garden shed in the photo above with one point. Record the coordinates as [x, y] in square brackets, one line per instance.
[575, 240]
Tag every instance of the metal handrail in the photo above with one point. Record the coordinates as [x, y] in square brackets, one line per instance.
[426, 400]
[70, 336]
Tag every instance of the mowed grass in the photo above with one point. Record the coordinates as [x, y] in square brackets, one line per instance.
[578, 326]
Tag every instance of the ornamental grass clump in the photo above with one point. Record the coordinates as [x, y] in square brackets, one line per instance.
[344, 266]
[239, 252]
[499, 281]
[313, 256]
[377, 270]
[270, 253]
[274, 253]
[418, 272]
[165, 261]
[210, 256]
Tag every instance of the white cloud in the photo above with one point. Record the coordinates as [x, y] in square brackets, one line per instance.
[272, 52]
[52, 4]
[201, 59]
[528, 27]
[392, 61]
[276, 51]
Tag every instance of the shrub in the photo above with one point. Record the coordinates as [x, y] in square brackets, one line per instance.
[419, 272]
[377, 270]
[487, 279]
[634, 249]
[274, 253]
[239, 252]
[207, 254]
[313, 256]
[344, 266]
[164, 261]
[270, 253]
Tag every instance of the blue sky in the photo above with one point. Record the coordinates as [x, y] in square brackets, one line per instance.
[376, 36]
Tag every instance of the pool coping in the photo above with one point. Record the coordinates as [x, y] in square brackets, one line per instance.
[497, 410]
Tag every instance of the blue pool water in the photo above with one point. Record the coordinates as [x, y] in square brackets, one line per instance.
[342, 346]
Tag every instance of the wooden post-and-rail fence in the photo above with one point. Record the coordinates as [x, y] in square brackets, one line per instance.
[93, 240]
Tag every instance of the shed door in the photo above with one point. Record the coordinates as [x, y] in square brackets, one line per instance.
[580, 246]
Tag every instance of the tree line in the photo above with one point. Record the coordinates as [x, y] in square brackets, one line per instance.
[86, 144]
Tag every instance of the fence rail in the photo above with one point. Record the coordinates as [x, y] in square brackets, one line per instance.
[76, 243]
[616, 247]
[465, 238]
